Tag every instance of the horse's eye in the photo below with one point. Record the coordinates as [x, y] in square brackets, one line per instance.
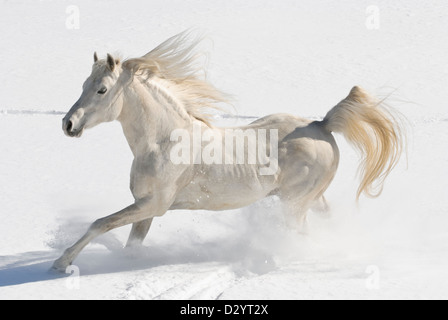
[102, 90]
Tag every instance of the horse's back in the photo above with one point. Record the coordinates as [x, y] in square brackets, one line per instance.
[284, 123]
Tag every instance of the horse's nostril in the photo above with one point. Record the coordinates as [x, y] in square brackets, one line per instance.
[69, 126]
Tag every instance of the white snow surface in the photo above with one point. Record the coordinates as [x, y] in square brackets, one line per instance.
[298, 57]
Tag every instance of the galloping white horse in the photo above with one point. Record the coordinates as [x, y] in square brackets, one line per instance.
[162, 92]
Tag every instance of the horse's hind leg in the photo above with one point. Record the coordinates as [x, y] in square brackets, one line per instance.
[138, 232]
[297, 209]
[321, 207]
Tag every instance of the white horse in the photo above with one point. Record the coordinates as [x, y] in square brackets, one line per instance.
[162, 92]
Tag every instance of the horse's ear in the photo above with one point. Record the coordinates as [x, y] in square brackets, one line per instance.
[95, 57]
[111, 62]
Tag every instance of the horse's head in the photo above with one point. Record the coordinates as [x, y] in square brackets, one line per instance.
[101, 99]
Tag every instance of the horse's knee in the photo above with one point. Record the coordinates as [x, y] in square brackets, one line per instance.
[99, 226]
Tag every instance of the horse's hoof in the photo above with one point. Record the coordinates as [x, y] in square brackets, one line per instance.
[59, 267]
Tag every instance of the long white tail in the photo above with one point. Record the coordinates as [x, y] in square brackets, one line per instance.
[374, 131]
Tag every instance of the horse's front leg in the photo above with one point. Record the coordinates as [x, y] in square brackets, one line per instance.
[141, 210]
[138, 232]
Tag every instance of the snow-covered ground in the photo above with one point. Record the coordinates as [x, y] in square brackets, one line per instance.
[299, 57]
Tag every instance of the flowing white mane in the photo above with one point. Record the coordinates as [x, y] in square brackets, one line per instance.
[178, 61]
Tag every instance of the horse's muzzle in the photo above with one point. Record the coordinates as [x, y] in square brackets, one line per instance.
[70, 130]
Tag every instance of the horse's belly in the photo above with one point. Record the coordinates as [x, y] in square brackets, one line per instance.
[206, 201]
[224, 191]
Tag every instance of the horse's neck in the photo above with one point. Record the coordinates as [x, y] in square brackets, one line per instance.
[149, 115]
